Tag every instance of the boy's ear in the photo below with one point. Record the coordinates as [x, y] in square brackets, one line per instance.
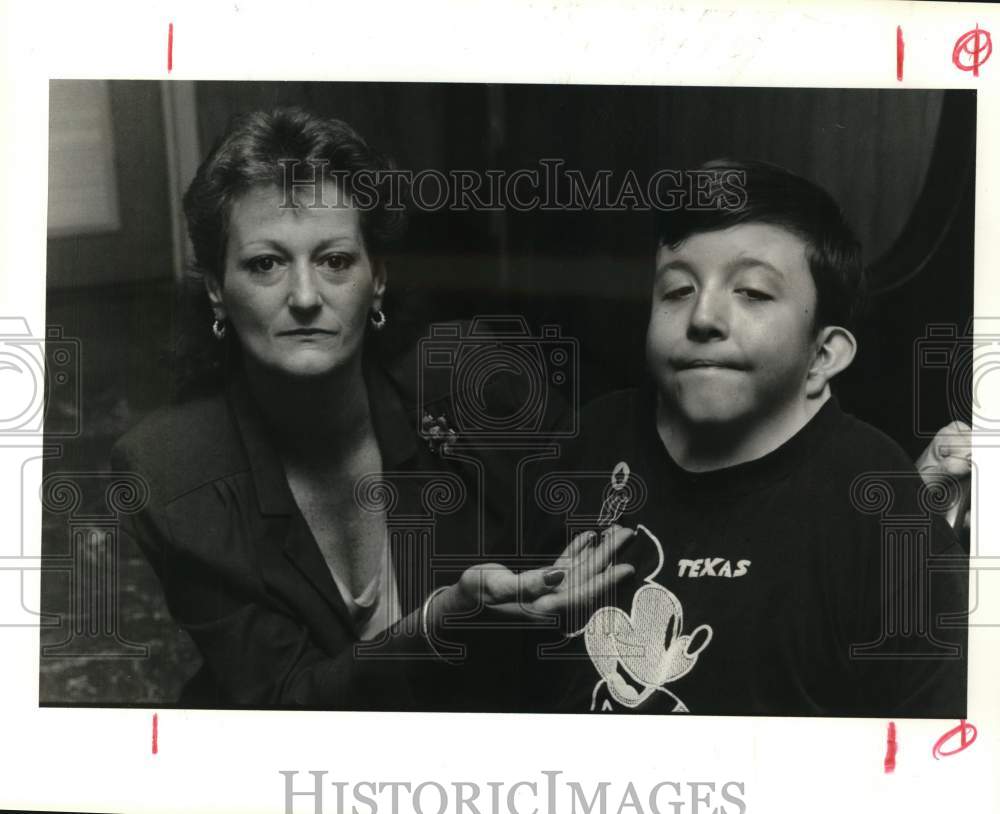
[835, 349]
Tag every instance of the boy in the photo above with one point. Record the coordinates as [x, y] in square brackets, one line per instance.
[781, 554]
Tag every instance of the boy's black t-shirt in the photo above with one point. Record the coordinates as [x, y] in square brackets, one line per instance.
[808, 582]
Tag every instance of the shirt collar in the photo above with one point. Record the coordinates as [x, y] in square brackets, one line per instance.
[748, 476]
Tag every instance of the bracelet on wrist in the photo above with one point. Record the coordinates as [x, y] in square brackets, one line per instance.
[424, 627]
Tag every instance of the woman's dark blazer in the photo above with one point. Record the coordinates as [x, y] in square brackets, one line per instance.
[243, 575]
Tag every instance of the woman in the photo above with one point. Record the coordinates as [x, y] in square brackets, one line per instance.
[269, 524]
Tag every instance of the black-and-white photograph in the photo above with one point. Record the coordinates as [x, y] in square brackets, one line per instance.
[508, 398]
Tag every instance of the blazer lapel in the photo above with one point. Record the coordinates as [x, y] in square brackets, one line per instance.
[301, 549]
[394, 417]
[275, 499]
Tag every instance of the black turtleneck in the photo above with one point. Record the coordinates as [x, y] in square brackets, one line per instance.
[780, 564]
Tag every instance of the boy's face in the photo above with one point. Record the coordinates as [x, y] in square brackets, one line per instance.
[731, 331]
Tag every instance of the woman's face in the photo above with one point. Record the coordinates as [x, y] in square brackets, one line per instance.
[298, 282]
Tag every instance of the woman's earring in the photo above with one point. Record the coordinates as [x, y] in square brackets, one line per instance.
[378, 319]
[219, 328]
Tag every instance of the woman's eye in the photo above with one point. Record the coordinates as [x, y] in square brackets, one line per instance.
[337, 262]
[262, 264]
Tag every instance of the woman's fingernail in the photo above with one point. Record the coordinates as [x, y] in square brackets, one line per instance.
[554, 577]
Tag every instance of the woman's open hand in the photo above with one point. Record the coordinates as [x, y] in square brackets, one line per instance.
[581, 580]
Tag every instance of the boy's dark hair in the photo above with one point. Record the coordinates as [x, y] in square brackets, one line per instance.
[757, 192]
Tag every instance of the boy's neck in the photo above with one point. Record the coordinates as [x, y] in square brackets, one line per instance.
[706, 447]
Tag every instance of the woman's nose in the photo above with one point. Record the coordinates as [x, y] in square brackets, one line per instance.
[303, 292]
[709, 317]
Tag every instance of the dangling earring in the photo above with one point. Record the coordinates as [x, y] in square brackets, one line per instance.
[219, 328]
[378, 319]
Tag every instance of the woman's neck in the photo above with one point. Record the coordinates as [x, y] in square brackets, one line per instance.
[316, 420]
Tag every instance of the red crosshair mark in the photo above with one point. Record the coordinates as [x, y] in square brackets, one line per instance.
[170, 48]
[963, 730]
[972, 49]
[890, 749]
[900, 51]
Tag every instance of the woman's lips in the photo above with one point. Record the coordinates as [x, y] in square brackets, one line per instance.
[307, 332]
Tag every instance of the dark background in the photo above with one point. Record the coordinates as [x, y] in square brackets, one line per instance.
[900, 163]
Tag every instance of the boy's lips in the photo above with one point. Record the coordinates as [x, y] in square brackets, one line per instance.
[707, 364]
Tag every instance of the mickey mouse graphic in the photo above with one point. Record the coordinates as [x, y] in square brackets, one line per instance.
[638, 653]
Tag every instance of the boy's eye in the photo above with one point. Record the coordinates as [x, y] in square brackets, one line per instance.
[262, 264]
[754, 294]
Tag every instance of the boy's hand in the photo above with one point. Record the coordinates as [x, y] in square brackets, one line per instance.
[949, 454]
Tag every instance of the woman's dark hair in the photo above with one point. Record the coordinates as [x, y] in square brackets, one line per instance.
[271, 148]
[756, 192]
[274, 148]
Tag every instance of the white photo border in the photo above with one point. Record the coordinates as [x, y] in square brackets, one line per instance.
[101, 760]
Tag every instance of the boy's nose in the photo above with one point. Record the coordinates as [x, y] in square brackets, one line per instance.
[303, 292]
[709, 317]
